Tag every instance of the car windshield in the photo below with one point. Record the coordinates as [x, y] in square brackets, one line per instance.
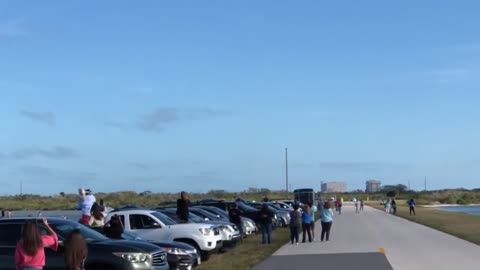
[65, 228]
[245, 207]
[197, 219]
[163, 218]
[207, 214]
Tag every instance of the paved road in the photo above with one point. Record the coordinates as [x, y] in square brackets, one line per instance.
[357, 239]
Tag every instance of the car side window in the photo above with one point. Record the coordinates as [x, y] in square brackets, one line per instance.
[139, 222]
[10, 234]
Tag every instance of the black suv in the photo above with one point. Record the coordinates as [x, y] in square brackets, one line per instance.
[104, 254]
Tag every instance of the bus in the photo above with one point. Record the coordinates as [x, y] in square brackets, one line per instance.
[305, 195]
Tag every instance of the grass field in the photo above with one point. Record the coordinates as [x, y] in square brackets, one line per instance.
[461, 225]
[249, 253]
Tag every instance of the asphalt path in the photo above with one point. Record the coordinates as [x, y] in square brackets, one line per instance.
[373, 239]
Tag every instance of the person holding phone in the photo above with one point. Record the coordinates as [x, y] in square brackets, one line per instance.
[30, 250]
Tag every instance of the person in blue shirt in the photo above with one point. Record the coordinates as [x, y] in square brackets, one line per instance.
[307, 222]
[412, 205]
[327, 220]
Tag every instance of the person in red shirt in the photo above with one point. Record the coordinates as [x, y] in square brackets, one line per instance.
[30, 253]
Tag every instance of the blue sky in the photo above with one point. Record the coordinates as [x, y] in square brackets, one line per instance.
[200, 95]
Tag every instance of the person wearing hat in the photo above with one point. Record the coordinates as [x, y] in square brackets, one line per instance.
[85, 202]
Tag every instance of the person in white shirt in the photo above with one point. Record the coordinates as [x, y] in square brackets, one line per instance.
[85, 202]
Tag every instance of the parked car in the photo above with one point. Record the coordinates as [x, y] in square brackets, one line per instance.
[180, 256]
[229, 231]
[247, 224]
[104, 253]
[245, 210]
[282, 205]
[155, 226]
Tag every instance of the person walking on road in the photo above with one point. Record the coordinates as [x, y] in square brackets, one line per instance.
[307, 222]
[327, 221]
[266, 217]
[357, 209]
[361, 205]
[76, 251]
[30, 250]
[412, 205]
[295, 222]
[313, 211]
[340, 204]
[182, 207]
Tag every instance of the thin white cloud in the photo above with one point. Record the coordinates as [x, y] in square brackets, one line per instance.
[43, 117]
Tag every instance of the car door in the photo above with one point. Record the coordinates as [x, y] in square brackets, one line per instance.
[146, 227]
[54, 260]
[9, 236]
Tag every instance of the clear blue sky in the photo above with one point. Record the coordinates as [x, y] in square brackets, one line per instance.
[200, 95]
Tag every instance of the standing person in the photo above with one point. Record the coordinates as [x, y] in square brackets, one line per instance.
[266, 198]
[394, 207]
[356, 207]
[85, 202]
[295, 222]
[76, 251]
[114, 228]
[30, 250]
[313, 211]
[412, 205]
[307, 221]
[97, 217]
[340, 204]
[327, 221]
[182, 207]
[235, 218]
[265, 217]
[387, 206]
[337, 202]
[361, 205]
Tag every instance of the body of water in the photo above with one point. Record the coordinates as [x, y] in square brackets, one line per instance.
[469, 209]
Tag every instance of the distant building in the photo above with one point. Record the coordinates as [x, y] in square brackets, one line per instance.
[333, 187]
[373, 186]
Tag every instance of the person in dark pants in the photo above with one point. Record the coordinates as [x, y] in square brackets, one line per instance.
[265, 217]
[182, 207]
[327, 221]
[295, 222]
[307, 223]
[394, 206]
[235, 218]
[412, 205]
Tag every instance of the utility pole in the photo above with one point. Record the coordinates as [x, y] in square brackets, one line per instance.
[21, 187]
[286, 170]
[425, 183]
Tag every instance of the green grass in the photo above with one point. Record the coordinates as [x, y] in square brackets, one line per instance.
[249, 253]
[461, 225]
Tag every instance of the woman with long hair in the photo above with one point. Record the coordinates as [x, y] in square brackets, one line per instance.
[30, 253]
[97, 218]
[76, 251]
[306, 224]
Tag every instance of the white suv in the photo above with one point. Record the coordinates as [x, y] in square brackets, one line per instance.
[154, 226]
